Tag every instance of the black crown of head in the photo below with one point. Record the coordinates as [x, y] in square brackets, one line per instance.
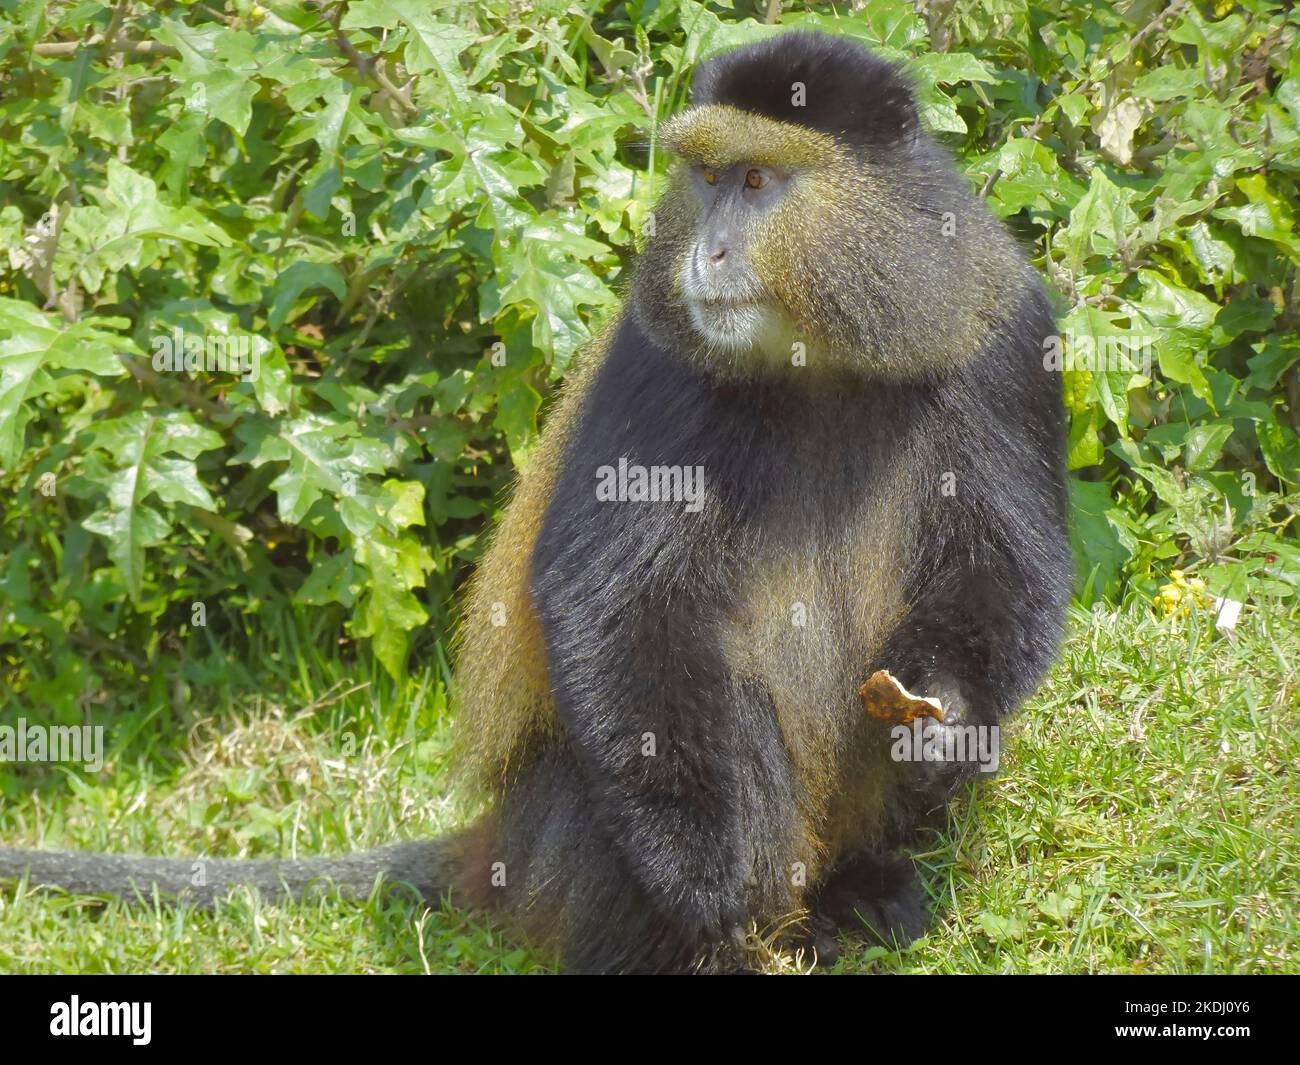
[860, 99]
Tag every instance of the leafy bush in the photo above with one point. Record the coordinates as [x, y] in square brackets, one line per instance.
[286, 284]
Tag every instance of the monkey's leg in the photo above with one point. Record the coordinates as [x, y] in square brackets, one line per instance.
[873, 891]
[564, 881]
[685, 777]
[687, 789]
[978, 638]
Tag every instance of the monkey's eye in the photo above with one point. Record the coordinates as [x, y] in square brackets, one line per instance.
[711, 176]
[755, 179]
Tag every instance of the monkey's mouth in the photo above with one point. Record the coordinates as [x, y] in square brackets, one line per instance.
[724, 305]
[730, 324]
[724, 313]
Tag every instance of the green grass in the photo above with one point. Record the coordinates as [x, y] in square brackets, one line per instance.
[1145, 819]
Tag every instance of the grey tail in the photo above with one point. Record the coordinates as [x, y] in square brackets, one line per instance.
[425, 865]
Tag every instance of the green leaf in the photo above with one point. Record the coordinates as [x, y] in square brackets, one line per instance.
[33, 345]
[142, 446]
[333, 579]
[1168, 83]
[273, 380]
[516, 415]
[950, 68]
[1265, 215]
[1272, 358]
[1281, 448]
[396, 565]
[1110, 353]
[325, 459]
[129, 218]
[1084, 447]
[1181, 319]
[296, 280]
[405, 503]
[1098, 549]
[1245, 315]
[1204, 445]
[1000, 929]
[1101, 222]
[216, 65]
[1163, 483]
[553, 285]
[431, 45]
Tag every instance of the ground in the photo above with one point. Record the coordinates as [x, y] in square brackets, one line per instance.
[1144, 819]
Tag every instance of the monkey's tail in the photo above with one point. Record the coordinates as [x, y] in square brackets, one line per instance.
[429, 866]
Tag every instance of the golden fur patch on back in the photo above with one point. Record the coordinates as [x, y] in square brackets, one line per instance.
[503, 699]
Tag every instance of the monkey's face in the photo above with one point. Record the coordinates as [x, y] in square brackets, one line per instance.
[727, 303]
[735, 202]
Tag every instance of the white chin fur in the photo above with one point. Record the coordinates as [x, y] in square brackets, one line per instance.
[734, 328]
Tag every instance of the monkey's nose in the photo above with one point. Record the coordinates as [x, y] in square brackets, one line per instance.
[718, 254]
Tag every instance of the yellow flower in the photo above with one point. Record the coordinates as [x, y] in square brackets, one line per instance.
[1175, 598]
[1181, 595]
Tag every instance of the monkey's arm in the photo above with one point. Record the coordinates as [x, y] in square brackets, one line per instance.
[984, 631]
[995, 574]
[988, 626]
[629, 596]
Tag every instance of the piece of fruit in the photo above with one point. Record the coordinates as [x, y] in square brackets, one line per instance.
[885, 699]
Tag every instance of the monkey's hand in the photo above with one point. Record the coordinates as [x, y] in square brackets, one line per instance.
[951, 695]
[954, 749]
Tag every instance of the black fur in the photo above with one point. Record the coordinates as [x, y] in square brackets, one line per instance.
[632, 598]
[858, 98]
[994, 578]
[876, 892]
